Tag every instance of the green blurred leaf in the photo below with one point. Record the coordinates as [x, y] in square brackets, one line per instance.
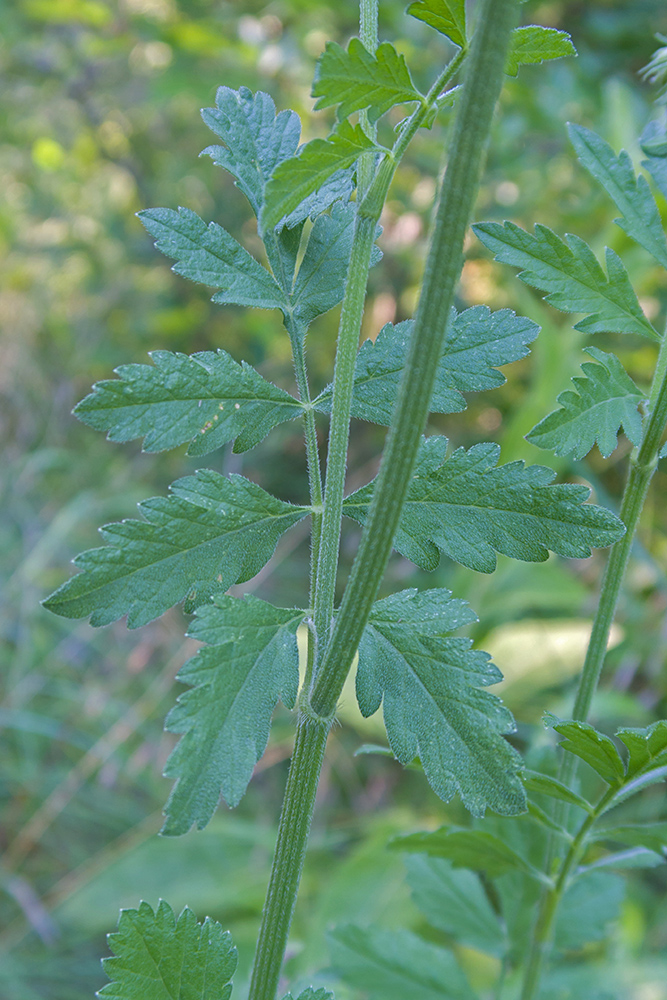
[474, 849]
[596, 749]
[157, 957]
[652, 836]
[534, 43]
[311, 994]
[446, 16]
[543, 784]
[569, 271]
[647, 747]
[588, 906]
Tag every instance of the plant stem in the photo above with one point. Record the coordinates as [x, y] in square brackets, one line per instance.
[481, 89]
[368, 34]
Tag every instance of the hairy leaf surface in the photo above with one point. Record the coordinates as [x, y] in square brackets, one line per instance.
[606, 398]
[256, 139]
[355, 79]
[210, 533]
[157, 957]
[569, 271]
[396, 965]
[430, 686]
[631, 194]
[470, 509]
[296, 179]
[534, 43]
[206, 398]
[251, 661]
[209, 255]
[446, 16]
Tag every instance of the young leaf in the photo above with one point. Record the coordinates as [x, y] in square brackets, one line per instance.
[475, 849]
[647, 748]
[569, 271]
[396, 965]
[355, 80]
[455, 902]
[207, 399]
[543, 784]
[209, 255]
[156, 957]
[251, 661]
[429, 684]
[605, 398]
[631, 194]
[535, 44]
[295, 180]
[591, 746]
[470, 509]
[476, 344]
[210, 533]
[446, 16]
[256, 139]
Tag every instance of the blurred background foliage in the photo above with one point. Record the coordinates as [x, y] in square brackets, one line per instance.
[100, 104]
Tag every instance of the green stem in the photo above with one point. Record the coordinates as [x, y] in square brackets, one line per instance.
[368, 34]
[473, 122]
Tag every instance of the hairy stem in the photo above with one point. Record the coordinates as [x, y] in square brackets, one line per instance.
[368, 34]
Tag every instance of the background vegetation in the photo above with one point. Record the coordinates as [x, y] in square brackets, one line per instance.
[100, 104]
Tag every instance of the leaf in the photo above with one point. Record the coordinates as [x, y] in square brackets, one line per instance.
[320, 282]
[311, 994]
[596, 749]
[338, 187]
[588, 906]
[632, 857]
[210, 533]
[475, 849]
[535, 44]
[355, 80]
[543, 784]
[476, 344]
[206, 398]
[652, 836]
[446, 16]
[605, 398]
[209, 255]
[647, 748]
[396, 965]
[455, 902]
[653, 142]
[631, 194]
[296, 179]
[429, 684]
[157, 957]
[256, 139]
[251, 661]
[569, 271]
[470, 509]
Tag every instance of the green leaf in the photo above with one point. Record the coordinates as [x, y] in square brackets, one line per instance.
[588, 906]
[338, 187]
[256, 139]
[591, 746]
[295, 180]
[652, 836]
[396, 965]
[476, 849]
[157, 957]
[470, 509]
[605, 398]
[455, 902]
[631, 857]
[355, 80]
[311, 994]
[209, 255]
[543, 784]
[251, 661]
[429, 684]
[653, 142]
[569, 271]
[210, 533]
[206, 398]
[446, 16]
[535, 44]
[631, 194]
[476, 344]
[647, 748]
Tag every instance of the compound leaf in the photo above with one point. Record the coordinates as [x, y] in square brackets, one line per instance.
[396, 965]
[430, 685]
[355, 79]
[296, 179]
[534, 43]
[256, 139]
[605, 398]
[475, 849]
[206, 398]
[476, 344]
[631, 194]
[157, 957]
[209, 255]
[210, 533]
[251, 661]
[591, 746]
[454, 901]
[470, 509]
[446, 16]
[572, 276]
